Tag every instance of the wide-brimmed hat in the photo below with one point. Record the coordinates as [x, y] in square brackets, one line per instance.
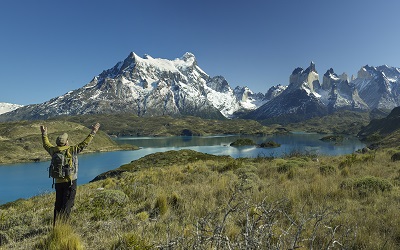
[62, 139]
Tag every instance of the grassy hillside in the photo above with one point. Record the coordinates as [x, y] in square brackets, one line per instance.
[384, 132]
[129, 124]
[22, 141]
[189, 200]
[341, 122]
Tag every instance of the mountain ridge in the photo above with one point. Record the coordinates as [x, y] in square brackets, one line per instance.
[147, 86]
[306, 97]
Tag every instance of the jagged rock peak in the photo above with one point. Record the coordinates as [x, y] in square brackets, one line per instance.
[344, 77]
[304, 78]
[218, 83]
[299, 70]
[129, 61]
[312, 67]
[366, 72]
[274, 91]
[369, 72]
[189, 58]
[330, 73]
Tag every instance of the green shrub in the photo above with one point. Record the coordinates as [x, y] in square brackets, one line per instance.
[231, 165]
[348, 161]
[4, 239]
[366, 185]
[345, 172]
[286, 167]
[291, 173]
[142, 216]
[374, 184]
[327, 170]
[109, 197]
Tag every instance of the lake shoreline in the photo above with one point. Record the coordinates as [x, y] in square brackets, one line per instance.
[129, 146]
[84, 152]
[34, 179]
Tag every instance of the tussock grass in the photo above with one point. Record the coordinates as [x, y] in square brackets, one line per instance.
[209, 202]
[62, 237]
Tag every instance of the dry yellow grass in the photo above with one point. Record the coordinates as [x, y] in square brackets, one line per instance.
[209, 202]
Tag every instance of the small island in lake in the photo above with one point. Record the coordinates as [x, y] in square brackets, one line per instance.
[243, 142]
[269, 144]
[249, 142]
[334, 138]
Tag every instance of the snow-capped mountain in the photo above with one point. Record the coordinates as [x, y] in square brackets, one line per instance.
[7, 107]
[149, 87]
[298, 101]
[154, 86]
[306, 97]
[379, 86]
[274, 91]
[337, 93]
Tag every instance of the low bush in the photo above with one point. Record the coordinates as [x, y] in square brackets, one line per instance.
[367, 185]
[286, 167]
[109, 197]
[327, 170]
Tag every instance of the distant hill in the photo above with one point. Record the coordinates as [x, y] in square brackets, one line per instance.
[385, 131]
[340, 122]
[133, 125]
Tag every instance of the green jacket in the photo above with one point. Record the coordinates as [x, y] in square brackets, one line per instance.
[72, 154]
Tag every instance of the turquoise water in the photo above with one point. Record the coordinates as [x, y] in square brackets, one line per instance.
[30, 179]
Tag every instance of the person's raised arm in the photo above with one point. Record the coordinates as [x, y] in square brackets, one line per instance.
[78, 148]
[43, 129]
[46, 143]
[95, 128]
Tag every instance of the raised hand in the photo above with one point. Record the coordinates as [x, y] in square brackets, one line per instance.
[43, 129]
[95, 128]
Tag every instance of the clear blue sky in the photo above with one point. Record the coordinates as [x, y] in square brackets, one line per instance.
[48, 47]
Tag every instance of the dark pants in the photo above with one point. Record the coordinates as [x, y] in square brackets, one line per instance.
[65, 197]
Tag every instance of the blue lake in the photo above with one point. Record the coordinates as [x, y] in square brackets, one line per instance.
[29, 179]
